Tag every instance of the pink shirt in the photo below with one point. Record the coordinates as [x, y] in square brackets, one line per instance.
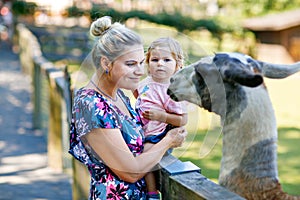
[153, 95]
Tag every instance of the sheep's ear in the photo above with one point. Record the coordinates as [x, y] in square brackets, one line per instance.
[212, 80]
[206, 69]
[278, 71]
[246, 78]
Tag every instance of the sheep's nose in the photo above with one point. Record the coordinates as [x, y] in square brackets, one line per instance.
[169, 91]
[172, 95]
[171, 80]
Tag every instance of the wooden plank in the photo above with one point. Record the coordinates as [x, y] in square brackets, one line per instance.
[190, 184]
[81, 181]
[174, 166]
[55, 154]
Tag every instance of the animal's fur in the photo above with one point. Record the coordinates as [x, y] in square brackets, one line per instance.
[231, 85]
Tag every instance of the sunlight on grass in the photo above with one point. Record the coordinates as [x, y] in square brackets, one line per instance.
[286, 99]
[292, 135]
[282, 149]
[288, 159]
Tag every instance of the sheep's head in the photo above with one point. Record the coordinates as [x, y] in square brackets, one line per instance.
[206, 82]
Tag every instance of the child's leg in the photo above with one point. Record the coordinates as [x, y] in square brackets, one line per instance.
[150, 177]
[153, 193]
[150, 181]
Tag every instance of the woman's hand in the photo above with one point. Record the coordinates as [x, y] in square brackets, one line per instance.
[176, 136]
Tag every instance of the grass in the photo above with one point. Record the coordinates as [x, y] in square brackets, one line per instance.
[204, 132]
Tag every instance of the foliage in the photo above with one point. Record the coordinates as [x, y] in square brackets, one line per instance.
[23, 8]
[176, 20]
[227, 21]
[74, 11]
[251, 8]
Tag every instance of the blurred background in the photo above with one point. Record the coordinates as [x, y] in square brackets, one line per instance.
[268, 30]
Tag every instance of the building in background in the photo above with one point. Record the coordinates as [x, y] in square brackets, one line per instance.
[278, 36]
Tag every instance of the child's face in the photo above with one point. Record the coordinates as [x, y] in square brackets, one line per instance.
[162, 65]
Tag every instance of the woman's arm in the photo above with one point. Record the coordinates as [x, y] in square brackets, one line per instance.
[112, 149]
[169, 118]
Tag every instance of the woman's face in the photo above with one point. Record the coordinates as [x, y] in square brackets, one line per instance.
[162, 64]
[128, 69]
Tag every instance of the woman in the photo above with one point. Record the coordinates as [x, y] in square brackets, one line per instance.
[106, 133]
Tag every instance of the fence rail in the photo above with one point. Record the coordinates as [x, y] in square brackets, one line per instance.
[52, 104]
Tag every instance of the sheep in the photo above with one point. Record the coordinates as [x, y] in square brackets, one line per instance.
[232, 86]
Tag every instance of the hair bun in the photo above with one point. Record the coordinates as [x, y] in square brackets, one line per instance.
[100, 26]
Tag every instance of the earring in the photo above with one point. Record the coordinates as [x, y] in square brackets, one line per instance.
[106, 71]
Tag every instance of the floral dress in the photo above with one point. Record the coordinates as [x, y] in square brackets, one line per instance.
[92, 110]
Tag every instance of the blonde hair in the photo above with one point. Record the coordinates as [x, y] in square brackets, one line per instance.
[170, 43]
[113, 39]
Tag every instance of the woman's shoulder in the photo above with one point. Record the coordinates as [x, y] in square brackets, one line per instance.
[88, 97]
[88, 94]
[93, 108]
[85, 93]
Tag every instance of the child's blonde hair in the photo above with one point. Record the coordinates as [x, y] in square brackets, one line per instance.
[170, 43]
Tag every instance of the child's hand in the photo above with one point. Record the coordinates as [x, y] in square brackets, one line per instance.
[155, 115]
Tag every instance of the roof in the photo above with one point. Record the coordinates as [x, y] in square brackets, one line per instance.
[274, 22]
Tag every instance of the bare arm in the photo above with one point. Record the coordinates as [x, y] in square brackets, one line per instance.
[169, 118]
[112, 149]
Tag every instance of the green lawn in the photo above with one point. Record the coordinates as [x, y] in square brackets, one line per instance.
[286, 101]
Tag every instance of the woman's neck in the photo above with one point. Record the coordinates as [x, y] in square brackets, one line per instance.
[102, 85]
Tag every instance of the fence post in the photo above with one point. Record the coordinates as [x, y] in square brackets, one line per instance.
[55, 126]
[81, 181]
[36, 97]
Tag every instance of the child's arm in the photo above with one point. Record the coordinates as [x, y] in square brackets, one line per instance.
[169, 118]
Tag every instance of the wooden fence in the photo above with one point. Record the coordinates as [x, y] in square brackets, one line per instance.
[52, 104]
